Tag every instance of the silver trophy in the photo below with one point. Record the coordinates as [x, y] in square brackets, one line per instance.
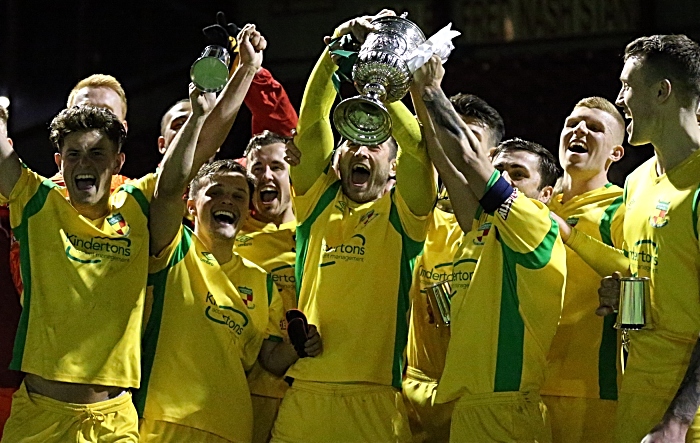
[381, 75]
[440, 302]
[209, 72]
[635, 304]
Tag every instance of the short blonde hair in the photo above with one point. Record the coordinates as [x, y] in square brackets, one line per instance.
[604, 105]
[97, 81]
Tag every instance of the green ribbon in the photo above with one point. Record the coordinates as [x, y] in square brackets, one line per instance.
[346, 62]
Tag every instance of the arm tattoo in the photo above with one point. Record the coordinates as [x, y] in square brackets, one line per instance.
[442, 112]
[685, 404]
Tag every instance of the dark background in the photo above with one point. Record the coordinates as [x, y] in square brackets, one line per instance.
[530, 59]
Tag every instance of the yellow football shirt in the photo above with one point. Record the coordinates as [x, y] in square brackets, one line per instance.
[84, 283]
[353, 275]
[427, 344]
[205, 329]
[661, 242]
[584, 357]
[507, 304]
[272, 248]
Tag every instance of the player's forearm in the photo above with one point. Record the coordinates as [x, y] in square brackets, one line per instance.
[683, 407]
[454, 139]
[277, 357]
[223, 115]
[10, 167]
[457, 186]
[604, 259]
[314, 133]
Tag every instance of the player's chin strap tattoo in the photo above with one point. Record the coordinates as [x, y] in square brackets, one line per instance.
[687, 400]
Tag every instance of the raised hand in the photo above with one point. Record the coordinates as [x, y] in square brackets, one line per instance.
[251, 46]
[429, 75]
[359, 27]
[202, 103]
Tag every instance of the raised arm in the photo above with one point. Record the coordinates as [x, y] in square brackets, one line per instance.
[10, 166]
[179, 165]
[415, 178]
[465, 203]
[219, 123]
[314, 137]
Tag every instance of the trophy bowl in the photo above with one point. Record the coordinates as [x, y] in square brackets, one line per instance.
[209, 72]
[380, 75]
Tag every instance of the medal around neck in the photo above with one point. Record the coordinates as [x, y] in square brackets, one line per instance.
[209, 73]
[381, 75]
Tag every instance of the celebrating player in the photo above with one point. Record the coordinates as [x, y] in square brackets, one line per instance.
[427, 342]
[505, 313]
[583, 370]
[355, 248]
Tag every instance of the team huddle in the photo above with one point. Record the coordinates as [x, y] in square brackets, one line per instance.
[285, 296]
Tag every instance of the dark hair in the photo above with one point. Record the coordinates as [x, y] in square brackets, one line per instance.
[471, 106]
[86, 118]
[550, 170]
[263, 139]
[675, 57]
[220, 167]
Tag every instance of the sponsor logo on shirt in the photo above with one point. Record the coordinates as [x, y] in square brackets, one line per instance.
[228, 316]
[436, 274]
[644, 254]
[660, 217]
[352, 250]
[92, 250]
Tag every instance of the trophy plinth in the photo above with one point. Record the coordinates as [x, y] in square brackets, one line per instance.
[381, 75]
[209, 73]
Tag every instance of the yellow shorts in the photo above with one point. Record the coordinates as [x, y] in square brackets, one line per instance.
[40, 419]
[429, 422]
[264, 416]
[512, 417]
[637, 414]
[341, 413]
[581, 420]
[153, 431]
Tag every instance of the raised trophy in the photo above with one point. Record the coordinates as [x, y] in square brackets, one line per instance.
[209, 72]
[381, 75]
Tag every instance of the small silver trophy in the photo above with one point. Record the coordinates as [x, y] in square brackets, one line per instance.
[440, 302]
[635, 304]
[381, 75]
[209, 72]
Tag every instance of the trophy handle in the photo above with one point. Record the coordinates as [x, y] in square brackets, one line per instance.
[364, 119]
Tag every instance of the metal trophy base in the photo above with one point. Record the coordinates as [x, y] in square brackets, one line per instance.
[209, 73]
[363, 120]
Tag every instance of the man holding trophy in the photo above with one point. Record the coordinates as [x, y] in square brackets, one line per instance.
[356, 243]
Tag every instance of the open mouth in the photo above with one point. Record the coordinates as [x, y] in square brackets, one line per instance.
[360, 174]
[578, 148]
[85, 181]
[268, 194]
[224, 217]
